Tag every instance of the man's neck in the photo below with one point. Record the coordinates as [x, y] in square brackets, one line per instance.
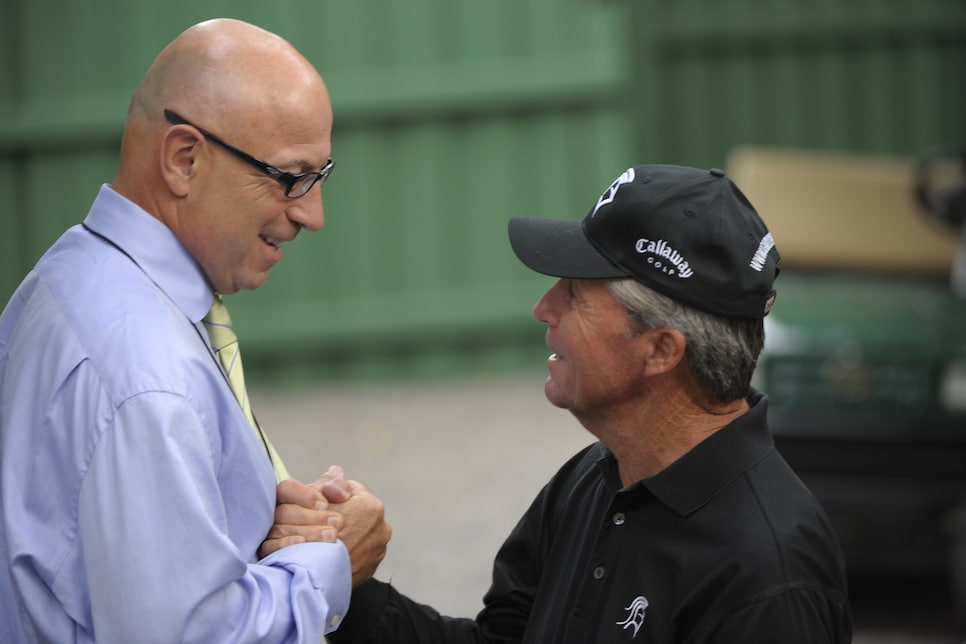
[647, 440]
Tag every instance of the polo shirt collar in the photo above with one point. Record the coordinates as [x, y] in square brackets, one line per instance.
[698, 476]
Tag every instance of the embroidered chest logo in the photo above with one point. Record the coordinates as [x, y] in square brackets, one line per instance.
[635, 614]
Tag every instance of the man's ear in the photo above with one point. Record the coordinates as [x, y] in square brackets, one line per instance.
[665, 350]
[180, 150]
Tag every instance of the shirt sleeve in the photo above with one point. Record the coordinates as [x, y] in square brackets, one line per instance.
[156, 552]
[380, 613]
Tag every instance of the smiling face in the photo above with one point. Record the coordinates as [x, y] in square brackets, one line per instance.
[253, 91]
[598, 362]
[239, 218]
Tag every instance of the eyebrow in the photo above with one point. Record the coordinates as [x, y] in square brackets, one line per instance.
[303, 165]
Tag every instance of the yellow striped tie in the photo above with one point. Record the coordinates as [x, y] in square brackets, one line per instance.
[225, 343]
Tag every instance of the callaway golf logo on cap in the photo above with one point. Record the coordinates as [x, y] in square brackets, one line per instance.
[661, 255]
[664, 258]
[689, 234]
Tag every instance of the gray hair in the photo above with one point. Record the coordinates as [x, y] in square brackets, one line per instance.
[721, 351]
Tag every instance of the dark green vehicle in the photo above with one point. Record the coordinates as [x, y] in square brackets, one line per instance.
[865, 357]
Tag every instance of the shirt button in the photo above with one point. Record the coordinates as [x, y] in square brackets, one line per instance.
[599, 572]
[334, 620]
[618, 518]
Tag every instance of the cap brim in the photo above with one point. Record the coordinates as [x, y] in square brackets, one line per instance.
[558, 247]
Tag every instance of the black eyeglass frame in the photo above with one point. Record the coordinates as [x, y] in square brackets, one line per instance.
[287, 180]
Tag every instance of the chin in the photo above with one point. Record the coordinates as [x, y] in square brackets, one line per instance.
[553, 395]
[253, 284]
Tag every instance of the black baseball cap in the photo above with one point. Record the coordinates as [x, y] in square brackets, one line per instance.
[687, 233]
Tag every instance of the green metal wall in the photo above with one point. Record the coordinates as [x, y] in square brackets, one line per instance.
[863, 75]
[453, 116]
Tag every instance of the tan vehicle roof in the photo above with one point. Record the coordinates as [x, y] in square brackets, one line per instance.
[838, 210]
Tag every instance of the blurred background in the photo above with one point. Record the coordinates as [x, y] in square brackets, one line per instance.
[451, 117]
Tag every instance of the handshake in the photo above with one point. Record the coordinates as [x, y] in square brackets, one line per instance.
[329, 509]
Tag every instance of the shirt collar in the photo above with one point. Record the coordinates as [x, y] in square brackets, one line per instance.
[154, 248]
[695, 478]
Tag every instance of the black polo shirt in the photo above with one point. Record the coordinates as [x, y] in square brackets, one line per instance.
[725, 545]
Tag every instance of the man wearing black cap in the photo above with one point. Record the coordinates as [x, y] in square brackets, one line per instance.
[682, 524]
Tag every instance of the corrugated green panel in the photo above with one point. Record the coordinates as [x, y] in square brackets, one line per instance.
[12, 241]
[58, 189]
[43, 195]
[865, 76]
[9, 50]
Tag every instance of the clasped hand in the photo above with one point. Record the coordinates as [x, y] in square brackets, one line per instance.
[328, 509]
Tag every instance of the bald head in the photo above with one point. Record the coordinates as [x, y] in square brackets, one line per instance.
[229, 68]
[227, 75]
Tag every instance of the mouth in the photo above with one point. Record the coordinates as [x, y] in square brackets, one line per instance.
[275, 242]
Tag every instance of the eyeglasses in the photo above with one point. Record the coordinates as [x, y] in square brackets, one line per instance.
[296, 185]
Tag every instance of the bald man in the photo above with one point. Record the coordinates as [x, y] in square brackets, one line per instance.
[136, 493]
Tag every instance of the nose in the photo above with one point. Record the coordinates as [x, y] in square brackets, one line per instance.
[544, 310]
[307, 211]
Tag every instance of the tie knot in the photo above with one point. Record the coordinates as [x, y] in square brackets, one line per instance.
[218, 324]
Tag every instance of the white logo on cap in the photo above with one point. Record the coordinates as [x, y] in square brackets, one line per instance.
[664, 258]
[761, 255]
[611, 191]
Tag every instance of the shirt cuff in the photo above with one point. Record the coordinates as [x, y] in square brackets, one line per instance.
[319, 571]
[368, 604]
